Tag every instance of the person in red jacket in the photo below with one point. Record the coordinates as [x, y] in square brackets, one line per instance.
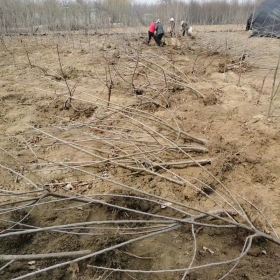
[151, 32]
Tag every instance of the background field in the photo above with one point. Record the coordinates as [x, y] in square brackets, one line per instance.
[92, 123]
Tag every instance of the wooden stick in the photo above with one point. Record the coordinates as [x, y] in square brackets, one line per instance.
[44, 256]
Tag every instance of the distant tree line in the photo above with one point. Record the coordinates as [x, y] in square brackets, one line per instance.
[56, 15]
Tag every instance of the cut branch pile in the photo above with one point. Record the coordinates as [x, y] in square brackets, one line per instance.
[120, 138]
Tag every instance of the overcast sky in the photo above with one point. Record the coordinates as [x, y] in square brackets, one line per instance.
[146, 1]
[156, 1]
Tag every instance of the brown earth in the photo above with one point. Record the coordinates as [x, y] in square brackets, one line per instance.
[215, 87]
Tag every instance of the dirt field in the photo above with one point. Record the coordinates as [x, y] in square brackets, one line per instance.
[92, 119]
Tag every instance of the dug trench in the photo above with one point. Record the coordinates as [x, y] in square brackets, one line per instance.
[155, 253]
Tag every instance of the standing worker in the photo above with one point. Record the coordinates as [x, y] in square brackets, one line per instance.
[172, 26]
[249, 22]
[159, 33]
[151, 32]
[185, 27]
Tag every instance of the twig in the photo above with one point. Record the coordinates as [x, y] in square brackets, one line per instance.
[273, 86]
[44, 256]
[194, 253]
[70, 90]
[138, 257]
[6, 265]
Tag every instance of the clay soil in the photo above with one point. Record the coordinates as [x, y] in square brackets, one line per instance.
[222, 94]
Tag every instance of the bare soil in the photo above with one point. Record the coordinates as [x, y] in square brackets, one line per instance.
[234, 75]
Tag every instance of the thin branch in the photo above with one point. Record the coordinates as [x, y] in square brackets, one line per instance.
[44, 256]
